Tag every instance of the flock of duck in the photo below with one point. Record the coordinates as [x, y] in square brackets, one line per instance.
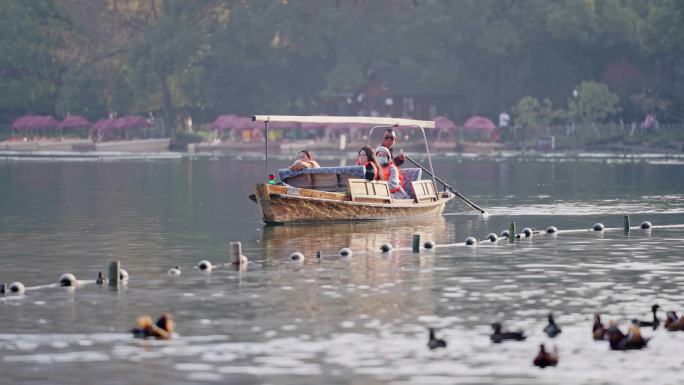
[617, 340]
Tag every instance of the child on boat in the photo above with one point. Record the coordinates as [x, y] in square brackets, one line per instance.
[391, 173]
[304, 160]
[366, 158]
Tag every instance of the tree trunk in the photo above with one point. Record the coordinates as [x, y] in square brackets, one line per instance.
[169, 109]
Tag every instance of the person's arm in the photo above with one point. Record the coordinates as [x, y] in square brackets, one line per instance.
[399, 159]
[393, 181]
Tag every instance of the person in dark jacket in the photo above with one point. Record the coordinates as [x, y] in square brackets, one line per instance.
[389, 139]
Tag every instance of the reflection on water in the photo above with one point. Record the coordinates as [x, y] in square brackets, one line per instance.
[333, 320]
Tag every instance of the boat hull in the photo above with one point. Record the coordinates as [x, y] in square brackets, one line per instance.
[280, 204]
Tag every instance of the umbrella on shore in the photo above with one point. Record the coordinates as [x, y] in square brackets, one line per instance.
[442, 122]
[74, 122]
[479, 124]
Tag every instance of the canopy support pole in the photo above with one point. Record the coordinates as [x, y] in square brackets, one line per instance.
[266, 144]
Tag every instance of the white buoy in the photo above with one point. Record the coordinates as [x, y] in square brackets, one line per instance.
[67, 279]
[174, 271]
[646, 225]
[385, 247]
[429, 245]
[599, 227]
[552, 230]
[492, 237]
[297, 256]
[505, 234]
[527, 231]
[470, 241]
[345, 252]
[16, 288]
[205, 265]
[123, 276]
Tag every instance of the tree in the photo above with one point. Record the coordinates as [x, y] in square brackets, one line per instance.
[594, 103]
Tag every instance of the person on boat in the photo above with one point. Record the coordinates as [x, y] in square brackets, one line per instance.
[395, 180]
[389, 139]
[366, 157]
[304, 160]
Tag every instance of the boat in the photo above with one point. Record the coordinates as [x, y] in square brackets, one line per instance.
[333, 194]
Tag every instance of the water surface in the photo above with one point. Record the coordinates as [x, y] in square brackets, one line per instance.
[335, 320]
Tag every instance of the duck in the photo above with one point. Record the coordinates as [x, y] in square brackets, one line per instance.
[673, 322]
[654, 324]
[100, 279]
[632, 341]
[174, 271]
[166, 323]
[544, 358]
[435, 343]
[598, 331]
[147, 329]
[552, 329]
[498, 336]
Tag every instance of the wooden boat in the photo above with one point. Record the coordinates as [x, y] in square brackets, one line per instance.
[340, 193]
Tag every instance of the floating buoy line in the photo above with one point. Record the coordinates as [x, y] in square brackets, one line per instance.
[118, 277]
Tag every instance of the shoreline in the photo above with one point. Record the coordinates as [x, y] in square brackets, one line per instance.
[159, 149]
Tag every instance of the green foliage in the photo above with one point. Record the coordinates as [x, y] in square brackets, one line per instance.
[531, 113]
[244, 57]
[594, 104]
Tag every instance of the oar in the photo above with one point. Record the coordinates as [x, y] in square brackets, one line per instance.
[458, 194]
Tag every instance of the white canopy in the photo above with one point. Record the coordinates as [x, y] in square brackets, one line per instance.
[344, 119]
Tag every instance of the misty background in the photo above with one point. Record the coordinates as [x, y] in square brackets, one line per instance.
[544, 62]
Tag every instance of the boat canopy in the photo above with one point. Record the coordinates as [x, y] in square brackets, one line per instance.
[344, 120]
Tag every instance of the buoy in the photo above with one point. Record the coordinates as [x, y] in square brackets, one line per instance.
[527, 231]
[429, 245]
[318, 254]
[505, 234]
[385, 247]
[470, 241]
[67, 279]
[552, 230]
[492, 237]
[16, 288]
[174, 271]
[123, 275]
[345, 252]
[599, 227]
[100, 279]
[236, 257]
[205, 265]
[297, 256]
[646, 225]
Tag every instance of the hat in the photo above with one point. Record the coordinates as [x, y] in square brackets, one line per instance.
[383, 149]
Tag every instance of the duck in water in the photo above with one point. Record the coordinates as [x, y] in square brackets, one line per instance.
[162, 330]
[552, 329]
[654, 324]
[673, 322]
[498, 336]
[598, 331]
[544, 358]
[632, 341]
[100, 279]
[435, 343]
